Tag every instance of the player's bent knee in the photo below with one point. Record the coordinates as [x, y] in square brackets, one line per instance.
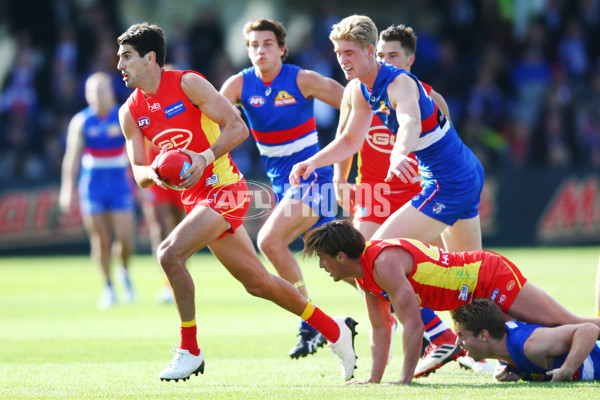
[167, 258]
[267, 243]
[258, 287]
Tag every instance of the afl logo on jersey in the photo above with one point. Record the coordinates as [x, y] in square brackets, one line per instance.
[143, 122]
[284, 99]
[256, 101]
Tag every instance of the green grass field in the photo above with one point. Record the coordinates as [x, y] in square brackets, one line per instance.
[55, 344]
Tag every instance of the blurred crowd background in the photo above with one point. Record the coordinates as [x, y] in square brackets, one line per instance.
[521, 77]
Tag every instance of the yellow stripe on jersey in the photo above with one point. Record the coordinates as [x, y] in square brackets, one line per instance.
[359, 164]
[211, 129]
[452, 278]
[222, 167]
[513, 272]
[430, 250]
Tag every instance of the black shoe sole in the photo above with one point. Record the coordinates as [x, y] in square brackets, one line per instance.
[297, 356]
[200, 370]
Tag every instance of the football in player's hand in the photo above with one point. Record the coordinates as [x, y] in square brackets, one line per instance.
[172, 166]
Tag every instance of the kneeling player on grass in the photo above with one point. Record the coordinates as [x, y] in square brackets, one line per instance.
[407, 274]
[526, 351]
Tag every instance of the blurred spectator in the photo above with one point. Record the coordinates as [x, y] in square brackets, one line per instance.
[531, 75]
[19, 106]
[495, 62]
[520, 145]
[179, 48]
[589, 15]
[207, 42]
[452, 79]
[588, 120]
[485, 100]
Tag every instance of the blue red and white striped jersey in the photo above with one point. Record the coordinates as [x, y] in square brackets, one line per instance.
[104, 143]
[439, 150]
[282, 122]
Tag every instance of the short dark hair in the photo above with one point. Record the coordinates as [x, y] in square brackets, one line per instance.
[267, 25]
[482, 313]
[403, 34]
[145, 38]
[333, 237]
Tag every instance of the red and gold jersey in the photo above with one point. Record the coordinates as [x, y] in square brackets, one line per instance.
[441, 280]
[169, 120]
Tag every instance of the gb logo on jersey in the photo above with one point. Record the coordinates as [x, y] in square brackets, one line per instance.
[256, 101]
[143, 122]
[284, 99]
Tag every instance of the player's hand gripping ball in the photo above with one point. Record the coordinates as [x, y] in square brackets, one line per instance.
[171, 168]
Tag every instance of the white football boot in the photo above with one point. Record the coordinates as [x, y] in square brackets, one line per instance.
[344, 347]
[184, 364]
[436, 357]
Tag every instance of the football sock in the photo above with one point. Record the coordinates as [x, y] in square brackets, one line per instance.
[305, 325]
[436, 329]
[188, 337]
[321, 322]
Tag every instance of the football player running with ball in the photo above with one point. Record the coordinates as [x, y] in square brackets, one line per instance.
[181, 109]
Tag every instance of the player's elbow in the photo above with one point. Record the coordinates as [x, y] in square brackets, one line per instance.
[241, 131]
[592, 330]
[351, 142]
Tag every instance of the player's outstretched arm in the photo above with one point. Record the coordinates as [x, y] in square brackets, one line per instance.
[576, 339]
[315, 85]
[379, 316]
[391, 268]
[404, 96]
[343, 146]
[71, 163]
[341, 170]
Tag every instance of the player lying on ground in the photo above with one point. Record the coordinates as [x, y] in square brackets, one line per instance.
[407, 274]
[527, 351]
